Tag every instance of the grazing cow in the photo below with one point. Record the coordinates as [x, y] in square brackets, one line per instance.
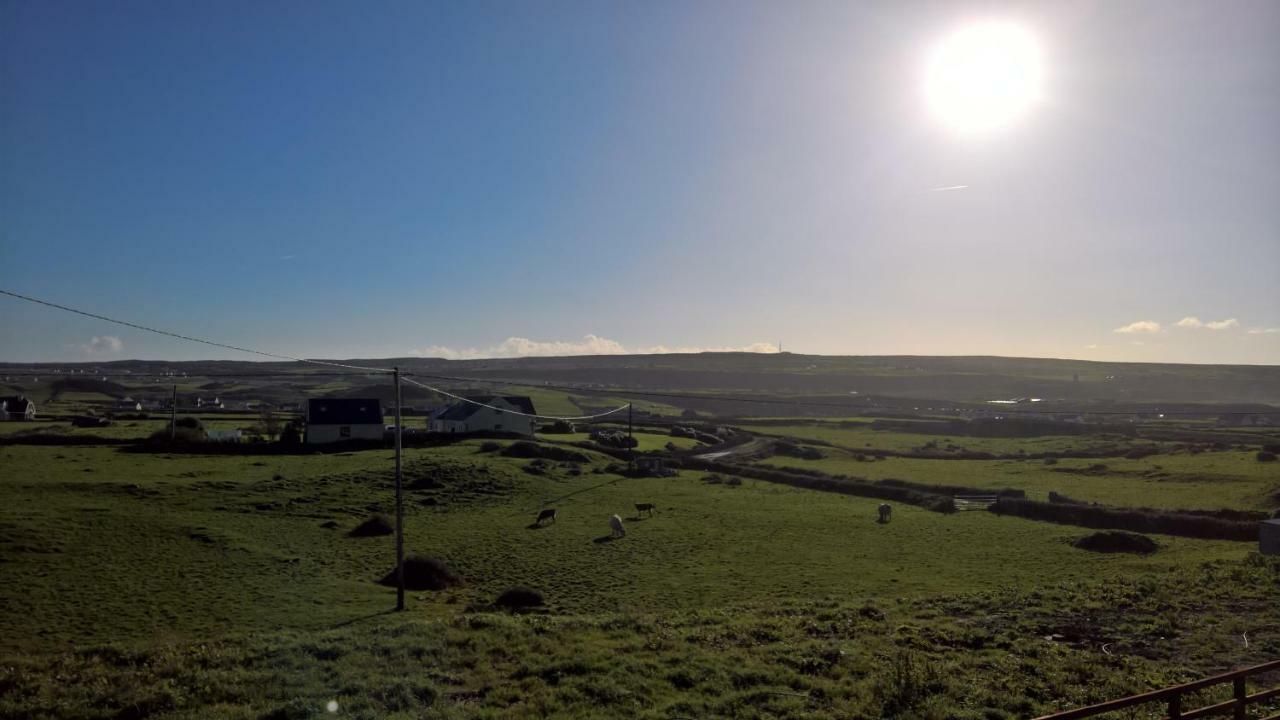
[548, 514]
[644, 508]
[886, 510]
[615, 522]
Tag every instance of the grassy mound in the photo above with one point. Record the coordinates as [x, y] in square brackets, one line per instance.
[519, 598]
[375, 526]
[423, 573]
[1117, 541]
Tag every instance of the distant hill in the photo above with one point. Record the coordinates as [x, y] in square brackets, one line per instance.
[957, 379]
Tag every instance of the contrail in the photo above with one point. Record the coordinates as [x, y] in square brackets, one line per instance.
[948, 188]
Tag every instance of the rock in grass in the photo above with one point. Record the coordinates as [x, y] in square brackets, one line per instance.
[519, 598]
[423, 573]
[1117, 541]
[376, 525]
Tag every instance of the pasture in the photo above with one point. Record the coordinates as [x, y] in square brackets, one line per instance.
[1232, 479]
[178, 584]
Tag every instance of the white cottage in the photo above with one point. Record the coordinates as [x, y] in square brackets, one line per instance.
[341, 419]
[500, 415]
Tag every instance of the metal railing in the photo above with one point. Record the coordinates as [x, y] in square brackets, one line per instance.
[1237, 706]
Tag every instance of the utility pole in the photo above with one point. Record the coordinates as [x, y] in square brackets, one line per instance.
[631, 450]
[399, 502]
[173, 416]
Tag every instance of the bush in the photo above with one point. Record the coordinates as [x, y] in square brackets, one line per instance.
[1051, 461]
[519, 598]
[375, 526]
[186, 435]
[1205, 525]
[489, 446]
[790, 449]
[526, 449]
[423, 573]
[1117, 541]
[1266, 456]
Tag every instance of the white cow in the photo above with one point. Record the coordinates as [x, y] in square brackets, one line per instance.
[615, 522]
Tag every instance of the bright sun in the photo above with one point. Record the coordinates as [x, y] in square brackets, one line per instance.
[983, 76]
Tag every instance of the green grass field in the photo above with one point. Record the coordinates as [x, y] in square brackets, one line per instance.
[177, 585]
[1210, 480]
[862, 436]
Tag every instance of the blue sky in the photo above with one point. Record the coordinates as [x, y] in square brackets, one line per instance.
[377, 179]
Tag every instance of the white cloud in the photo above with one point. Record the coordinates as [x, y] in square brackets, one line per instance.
[103, 344]
[1264, 331]
[1141, 326]
[1194, 322]
[514, 347]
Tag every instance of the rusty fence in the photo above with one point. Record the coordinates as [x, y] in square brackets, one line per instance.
[1237, 707]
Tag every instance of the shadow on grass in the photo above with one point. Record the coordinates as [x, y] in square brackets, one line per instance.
[362, 618]
[606, 539]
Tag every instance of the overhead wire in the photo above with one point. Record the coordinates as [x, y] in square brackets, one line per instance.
[279, 356]
[188, 338]
[510, 411]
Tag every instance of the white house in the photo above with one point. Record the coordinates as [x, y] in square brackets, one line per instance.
[128, 404]
[341, 419]
[499, 416]
[17, 408]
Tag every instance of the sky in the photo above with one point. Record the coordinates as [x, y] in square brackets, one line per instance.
[468, 179]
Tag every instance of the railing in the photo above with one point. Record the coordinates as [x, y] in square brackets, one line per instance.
[1237, 706]
[974, 502]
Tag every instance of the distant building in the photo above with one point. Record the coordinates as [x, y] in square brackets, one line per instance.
[127, 404]
[224, 436]
[499, 416]
[340, 419]
[215, 403]
[17, 408]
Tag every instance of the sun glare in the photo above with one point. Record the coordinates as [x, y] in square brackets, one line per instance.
[983, 76]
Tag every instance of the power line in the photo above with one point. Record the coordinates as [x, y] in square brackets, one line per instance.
[278, 356]
[514, 412]
[188, 338]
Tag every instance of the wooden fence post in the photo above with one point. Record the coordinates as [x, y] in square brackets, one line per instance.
[1241, 710]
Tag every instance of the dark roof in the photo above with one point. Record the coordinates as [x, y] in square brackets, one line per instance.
[463, 410]
[15, 404]
[344, 411]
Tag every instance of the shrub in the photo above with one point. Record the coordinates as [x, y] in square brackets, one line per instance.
[790, 449]
[519, 598]
[423, 573]
[526, 449]
[1051, 461]
[182, 434]
[1266, 456]
[489, 446]
[1205, 524]
[375, 526]
[1117, 541]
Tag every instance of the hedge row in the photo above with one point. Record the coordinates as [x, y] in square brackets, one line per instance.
[1141, 520]
[1221, 514]
[813, 480]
